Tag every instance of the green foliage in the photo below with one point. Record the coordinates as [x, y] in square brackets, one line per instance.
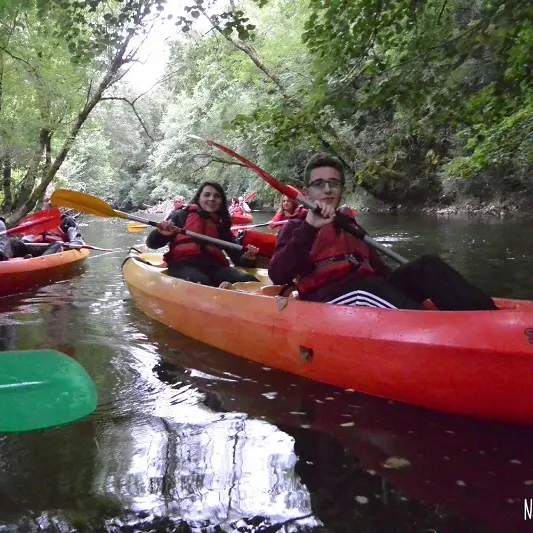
[423, 101]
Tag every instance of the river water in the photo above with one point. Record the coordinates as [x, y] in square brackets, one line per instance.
[189, 437]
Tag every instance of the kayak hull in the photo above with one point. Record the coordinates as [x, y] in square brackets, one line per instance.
[238, 219]
[22, 275]
[477, 363]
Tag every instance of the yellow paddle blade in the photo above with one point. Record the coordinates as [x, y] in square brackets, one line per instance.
[136, 227]
[84, 203]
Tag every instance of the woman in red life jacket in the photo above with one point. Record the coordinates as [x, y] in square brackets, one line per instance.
[288, 208]
[332, 266]
[192, 259]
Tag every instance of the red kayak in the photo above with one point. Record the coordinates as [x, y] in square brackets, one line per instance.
[266, 242]
[19, 275]
[474, 363]
[241, 218]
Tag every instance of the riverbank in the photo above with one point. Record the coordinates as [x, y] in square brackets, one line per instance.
[512, 207]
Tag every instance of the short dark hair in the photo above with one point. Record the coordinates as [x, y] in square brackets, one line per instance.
[320, 160]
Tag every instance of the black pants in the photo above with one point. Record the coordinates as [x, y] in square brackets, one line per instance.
[212, 275]
[17, 248]
[430, 277]
[407, 287]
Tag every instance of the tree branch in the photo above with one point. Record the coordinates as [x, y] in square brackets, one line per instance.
[243, 47]
[89, 90]
[442, 11]
[17, 58]
[132, 105]
[215, 159]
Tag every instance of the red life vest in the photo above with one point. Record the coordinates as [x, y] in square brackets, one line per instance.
[335, 254]
[183, 247]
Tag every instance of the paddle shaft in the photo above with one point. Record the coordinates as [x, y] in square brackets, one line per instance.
[217, 242]
[263, 224]
[70, 245]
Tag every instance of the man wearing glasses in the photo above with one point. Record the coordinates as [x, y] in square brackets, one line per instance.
[329, 265]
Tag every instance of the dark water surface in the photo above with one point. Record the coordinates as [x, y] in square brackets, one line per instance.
[194, 434]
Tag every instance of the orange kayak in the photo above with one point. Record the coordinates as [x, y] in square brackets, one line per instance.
[266, 242]
[244, 218]
[23, 274]
[475, 363]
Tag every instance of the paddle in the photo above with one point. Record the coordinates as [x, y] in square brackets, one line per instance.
[270, 223]
[250, 197]
[95, 206]
[42, 388]
[342, 220]
[73, 246]
[37, 223]
[136, 227]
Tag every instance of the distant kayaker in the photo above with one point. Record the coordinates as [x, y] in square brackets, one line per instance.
[243, 205]
[13, 247]
[329, 265]
[177, 203]
[288, 208]
[197, 261]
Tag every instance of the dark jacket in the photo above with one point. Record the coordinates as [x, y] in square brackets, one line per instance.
[157, 240]
[291, 258]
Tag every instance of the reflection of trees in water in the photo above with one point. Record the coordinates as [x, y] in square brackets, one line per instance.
[218, 472]
[47, 469]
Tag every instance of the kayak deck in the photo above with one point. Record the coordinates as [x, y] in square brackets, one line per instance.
[477, 363]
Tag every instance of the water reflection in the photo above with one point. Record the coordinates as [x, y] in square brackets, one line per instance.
[349, 444]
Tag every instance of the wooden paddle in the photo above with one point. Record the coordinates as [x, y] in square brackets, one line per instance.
[42, 388]
[37, 223]
[95, 206]
[342, 220]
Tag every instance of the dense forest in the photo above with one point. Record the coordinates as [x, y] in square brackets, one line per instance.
[427, 102]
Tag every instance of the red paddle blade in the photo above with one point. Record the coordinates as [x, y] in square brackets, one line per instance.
[283, 189]
[37, 223]
[250, 197]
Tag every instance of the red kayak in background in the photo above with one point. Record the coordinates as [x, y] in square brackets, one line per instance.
[241, 218]
[266, 242]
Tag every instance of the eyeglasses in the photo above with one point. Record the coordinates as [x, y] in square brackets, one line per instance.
[321, 184]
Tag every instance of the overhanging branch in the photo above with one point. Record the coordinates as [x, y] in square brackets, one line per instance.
[132, 105]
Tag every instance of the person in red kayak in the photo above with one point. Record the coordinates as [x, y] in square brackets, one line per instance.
[194, 260]
[14, 247]
[243, 205]
[329, 265]
[177, 203]
[288, 208]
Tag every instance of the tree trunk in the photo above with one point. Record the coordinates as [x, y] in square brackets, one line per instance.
[27, 184]
[6, 183]
[24, 208]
